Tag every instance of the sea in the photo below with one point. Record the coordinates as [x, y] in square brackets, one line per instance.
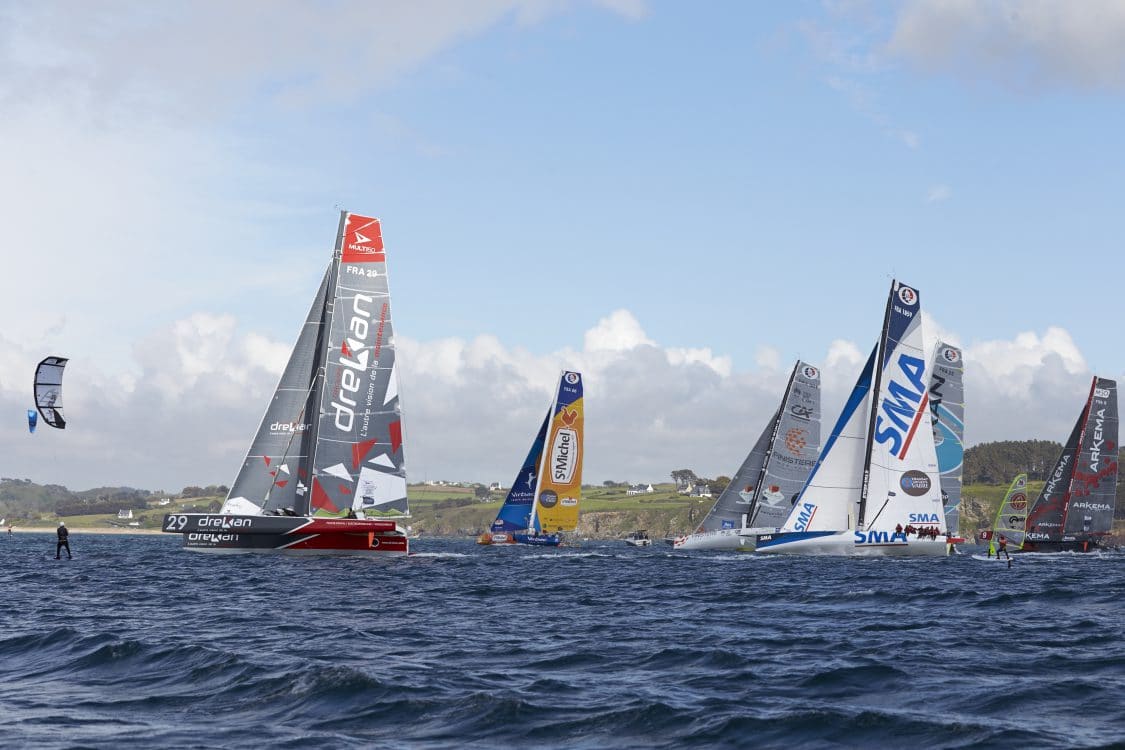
[136, 642]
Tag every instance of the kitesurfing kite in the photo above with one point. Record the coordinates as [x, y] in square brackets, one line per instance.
[48, 392]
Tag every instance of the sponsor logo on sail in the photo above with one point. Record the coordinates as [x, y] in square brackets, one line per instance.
[795, 440]
[1086, 505]
[805, 516]
[568, 502]
[1018, 501]
[363, 241]
[1099, 439]
[914, 483]
[907, 295]
[355, 356]
[951, 355]
[1101, 393]
[810, 372]
[289, 427]
[548, 499]
[564, 456]
[801, 412]
[572, 378]
[923, 518]
[901, 409]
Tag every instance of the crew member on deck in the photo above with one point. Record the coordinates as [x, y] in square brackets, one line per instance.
[64, 536]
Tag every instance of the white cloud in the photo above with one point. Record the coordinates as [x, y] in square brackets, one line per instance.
[1019, 42]
[184, 410]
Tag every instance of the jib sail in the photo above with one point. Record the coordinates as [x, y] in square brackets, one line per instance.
[515, 513]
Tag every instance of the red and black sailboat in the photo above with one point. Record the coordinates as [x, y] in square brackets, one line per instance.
[1074, 512]
[324, 473]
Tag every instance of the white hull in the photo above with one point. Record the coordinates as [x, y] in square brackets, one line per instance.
[638, 542]
[852, 544]
[722, 539]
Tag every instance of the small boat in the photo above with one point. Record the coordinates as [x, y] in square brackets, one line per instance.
[878, 473]
[638, 539]
[1074, 512]
[544, 498]
[324, 473]
[760, 496]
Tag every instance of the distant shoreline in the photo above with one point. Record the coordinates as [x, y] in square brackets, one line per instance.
[77, 531]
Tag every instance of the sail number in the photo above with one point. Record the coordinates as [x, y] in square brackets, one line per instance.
[175, 523]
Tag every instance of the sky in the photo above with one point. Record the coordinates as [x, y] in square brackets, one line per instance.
[678, 199]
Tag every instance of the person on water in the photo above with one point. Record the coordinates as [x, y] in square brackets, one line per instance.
[64, 537]
[1003, 548]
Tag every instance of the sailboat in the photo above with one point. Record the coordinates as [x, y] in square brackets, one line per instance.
[947, 411]
[1074, 512]
[324, 473]
[543, 500]
[1011, 520]
[760, 496]
[878, 472]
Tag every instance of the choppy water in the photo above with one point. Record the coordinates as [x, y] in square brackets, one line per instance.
[137, 642]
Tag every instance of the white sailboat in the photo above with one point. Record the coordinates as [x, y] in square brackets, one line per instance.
[877, 478]
[760, 495]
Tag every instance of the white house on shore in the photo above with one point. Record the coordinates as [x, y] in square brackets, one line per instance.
[640, 489]
[123, 514]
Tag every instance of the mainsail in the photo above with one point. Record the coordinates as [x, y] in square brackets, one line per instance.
[1011, 516]
[48, 390]
[515, 513]
[947, 410]
[1079, 497]
[560, 470]
[357, 457]
[878, 470]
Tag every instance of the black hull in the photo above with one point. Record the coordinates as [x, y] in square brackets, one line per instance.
[1075, 545]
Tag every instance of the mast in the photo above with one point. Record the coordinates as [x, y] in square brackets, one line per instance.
[752, 510]
[322, 344]
[874, 408]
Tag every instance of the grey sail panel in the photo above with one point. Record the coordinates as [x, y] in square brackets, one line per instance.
[1045, 519]
[1093, 487]
[48, 390]
[276, 471]
[734, 501]
[358, 456]
[947, 411]
[794, 450]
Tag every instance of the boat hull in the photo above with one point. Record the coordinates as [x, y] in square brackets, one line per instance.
[489, 538]
[291, 535]
[1073, 545]
[730, 540]
[638, 542]
[850, 544]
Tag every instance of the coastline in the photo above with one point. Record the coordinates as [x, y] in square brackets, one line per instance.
[80, 531]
